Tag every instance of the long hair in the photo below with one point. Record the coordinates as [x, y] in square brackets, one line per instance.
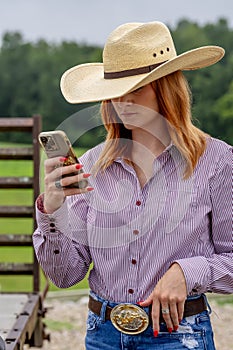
[174, 101]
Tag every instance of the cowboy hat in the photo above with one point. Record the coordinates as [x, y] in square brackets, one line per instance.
[134, 55]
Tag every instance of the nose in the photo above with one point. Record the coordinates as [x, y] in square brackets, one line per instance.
[127, 99]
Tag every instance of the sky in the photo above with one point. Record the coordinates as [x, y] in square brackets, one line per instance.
[90, 21]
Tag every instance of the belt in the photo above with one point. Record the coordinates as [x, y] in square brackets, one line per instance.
[125, 316]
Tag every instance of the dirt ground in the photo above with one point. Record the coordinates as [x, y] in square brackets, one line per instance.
[66, 323]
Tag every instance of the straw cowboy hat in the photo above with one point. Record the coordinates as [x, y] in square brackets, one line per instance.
[134, 55]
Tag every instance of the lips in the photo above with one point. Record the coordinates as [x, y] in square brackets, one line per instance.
[128, 114]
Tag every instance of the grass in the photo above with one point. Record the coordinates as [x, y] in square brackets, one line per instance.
[19, 226]
[58, 325]
[221, 299]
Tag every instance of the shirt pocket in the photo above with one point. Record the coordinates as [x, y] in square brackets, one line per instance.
[180, 209]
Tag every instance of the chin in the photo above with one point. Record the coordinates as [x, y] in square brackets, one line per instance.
[130, 126]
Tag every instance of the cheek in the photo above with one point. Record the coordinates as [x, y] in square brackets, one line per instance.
[115, 103]
[117, 106]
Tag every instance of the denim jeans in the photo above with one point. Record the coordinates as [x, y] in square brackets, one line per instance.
[194, 332]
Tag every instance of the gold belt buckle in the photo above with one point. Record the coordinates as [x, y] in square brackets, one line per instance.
[129, 318]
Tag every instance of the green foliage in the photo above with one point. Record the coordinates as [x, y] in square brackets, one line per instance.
[30, 76]
[212, 86]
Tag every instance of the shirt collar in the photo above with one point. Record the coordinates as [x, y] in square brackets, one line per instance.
[166, 151]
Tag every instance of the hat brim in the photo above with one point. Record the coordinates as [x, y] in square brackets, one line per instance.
[86, 83]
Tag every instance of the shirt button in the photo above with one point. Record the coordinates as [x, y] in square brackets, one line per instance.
[56, 251]
[131, 291]
[135, 232]
[134, 261]
[138, 203]
[52, 224]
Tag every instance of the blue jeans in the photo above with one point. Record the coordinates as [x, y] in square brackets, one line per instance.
[194, 332]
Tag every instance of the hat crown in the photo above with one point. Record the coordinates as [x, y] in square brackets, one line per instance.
[135, 45]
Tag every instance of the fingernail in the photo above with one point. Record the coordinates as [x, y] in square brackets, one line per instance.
[155, 333]
[86, 175]
[62, 159]
[90, 188]
[139, 302]
[179, 320]
[78, 166]
[170, 330]
[175, 328]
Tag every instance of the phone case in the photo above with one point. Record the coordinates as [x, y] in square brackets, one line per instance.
[56, 144]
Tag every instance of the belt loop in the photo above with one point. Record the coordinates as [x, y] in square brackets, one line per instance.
[207, 303]
[103, 311]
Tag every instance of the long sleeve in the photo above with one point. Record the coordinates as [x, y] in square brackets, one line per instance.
[215, 273]
[63, 255]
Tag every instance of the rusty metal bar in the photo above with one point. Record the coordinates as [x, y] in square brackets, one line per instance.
[16, 182]
[15, 240]
[25, 324]
[36, 172]
[16, 269]
[28, 326]
[16, 211]
[22, 153]
[16, 124]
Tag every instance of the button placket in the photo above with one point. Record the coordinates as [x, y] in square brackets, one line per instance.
[133, 269]
[133, 259]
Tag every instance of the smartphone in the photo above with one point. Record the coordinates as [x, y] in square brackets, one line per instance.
[55, 144]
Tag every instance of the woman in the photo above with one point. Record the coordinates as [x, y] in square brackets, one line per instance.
[155, 220]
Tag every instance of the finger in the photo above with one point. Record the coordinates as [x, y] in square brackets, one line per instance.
[155, 315]
[146, 302]
[167, 317]
[73, 179]
[52, 163]
[180, 310]
[72, 191]
[174, 316]
[59, 171]
[70, 169]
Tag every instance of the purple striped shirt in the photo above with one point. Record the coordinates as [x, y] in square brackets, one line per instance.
[131, 235]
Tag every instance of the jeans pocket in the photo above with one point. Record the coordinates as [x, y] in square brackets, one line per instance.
[93, 321]
[197, 332]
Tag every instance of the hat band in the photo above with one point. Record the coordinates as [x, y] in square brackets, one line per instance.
[130, 72]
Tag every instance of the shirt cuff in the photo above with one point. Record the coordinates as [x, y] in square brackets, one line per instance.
[197, 273]
[54, 223]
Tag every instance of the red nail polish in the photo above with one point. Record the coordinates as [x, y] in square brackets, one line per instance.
[62, 159]
[155, 333]
[175, 328]
[180, 320]
[139, 302]
[78, 166]
[86, 175]
[170, 330]
[90, 188]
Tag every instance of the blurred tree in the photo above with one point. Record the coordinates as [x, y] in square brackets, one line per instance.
[30, 76]
[209, 85]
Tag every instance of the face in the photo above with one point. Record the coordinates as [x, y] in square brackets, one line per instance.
[137, 109]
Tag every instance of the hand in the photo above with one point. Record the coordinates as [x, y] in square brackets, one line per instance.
[53, 196]
[170, 293]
